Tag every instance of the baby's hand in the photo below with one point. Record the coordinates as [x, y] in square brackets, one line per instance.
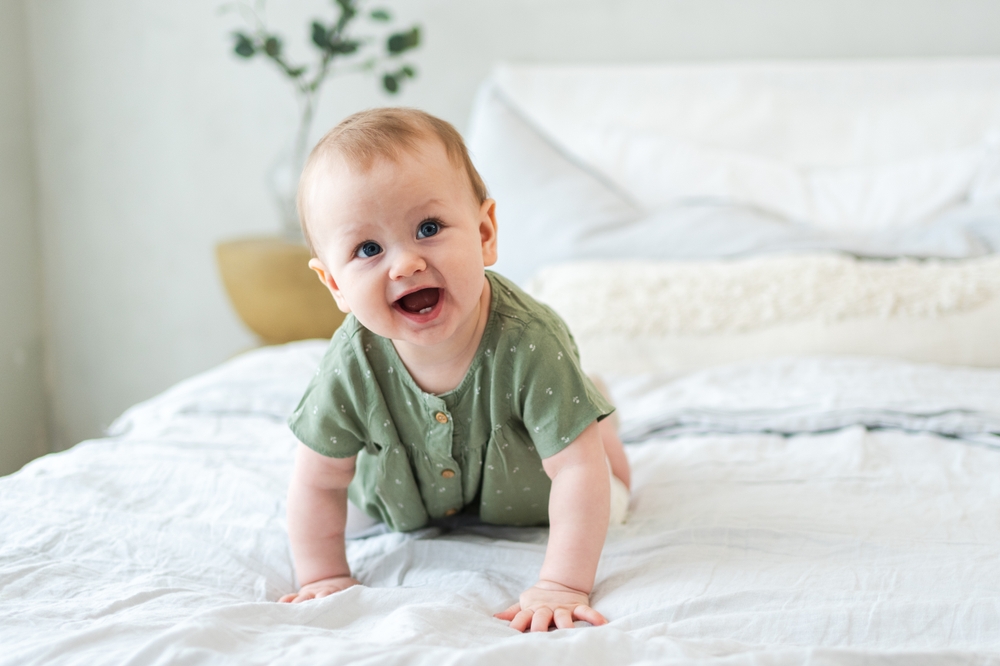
[549, 602]
[319, 589]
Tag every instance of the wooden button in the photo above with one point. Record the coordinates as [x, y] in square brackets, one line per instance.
[451, 512]
[441, 417]
[448, 473]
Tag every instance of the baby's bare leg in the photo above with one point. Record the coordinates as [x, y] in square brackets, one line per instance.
[613, 446]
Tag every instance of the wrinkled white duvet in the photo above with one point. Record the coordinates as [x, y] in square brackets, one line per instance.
[165, 542]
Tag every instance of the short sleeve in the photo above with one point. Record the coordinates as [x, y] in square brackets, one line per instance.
[556, 399]
[330, 418]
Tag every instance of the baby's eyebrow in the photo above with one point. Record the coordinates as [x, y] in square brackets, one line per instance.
[354, 230]
[426, 204]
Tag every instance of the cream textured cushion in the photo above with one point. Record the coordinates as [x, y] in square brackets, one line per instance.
[680, 316]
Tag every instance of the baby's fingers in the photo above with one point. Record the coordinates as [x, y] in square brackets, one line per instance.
[522, 621]
[509, 614]
[588, 614]
[563, 618]
[542, 619]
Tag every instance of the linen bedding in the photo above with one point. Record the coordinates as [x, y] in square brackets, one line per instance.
[822, 510]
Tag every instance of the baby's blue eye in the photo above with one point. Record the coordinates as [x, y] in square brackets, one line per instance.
[428, 228]
[369, 249]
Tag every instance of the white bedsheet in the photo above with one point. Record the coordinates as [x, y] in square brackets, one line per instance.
[166, 543]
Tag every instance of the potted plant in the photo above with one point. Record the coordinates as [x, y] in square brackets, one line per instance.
[267, 279]
[338, 49]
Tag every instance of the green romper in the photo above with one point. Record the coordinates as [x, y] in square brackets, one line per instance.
[477, 447]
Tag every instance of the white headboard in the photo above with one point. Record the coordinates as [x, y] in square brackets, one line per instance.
[808, 113]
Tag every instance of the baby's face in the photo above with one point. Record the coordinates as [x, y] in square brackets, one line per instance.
[403, 245]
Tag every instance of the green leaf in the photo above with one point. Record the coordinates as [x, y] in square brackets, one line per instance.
[403, 41]
[272, 46]
[320, 36]
[380, 15]
[343, 47]
[407, 71]
[297, 72]
[244, 45]
[390, 83]
[347, 11]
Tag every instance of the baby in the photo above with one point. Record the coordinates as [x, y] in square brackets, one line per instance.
[447, 389]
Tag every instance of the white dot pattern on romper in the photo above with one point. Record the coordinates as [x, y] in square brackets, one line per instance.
[471, 436]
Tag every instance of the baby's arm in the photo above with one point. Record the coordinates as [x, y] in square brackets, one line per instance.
[579, 508]
[317, 513]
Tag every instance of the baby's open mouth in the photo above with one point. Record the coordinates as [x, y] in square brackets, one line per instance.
[420, 302]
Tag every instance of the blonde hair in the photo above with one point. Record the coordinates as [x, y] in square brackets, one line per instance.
[385, 133]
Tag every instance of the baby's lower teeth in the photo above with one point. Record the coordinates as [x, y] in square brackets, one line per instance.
[426, 310]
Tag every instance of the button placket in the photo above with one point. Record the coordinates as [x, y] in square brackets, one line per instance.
[447, 490]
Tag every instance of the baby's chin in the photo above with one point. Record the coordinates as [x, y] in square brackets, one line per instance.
[400, 330]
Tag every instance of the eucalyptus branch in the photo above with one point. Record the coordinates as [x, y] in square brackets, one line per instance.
[338, 51]
[332, 39]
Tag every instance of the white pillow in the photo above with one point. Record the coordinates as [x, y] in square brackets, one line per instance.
[630, 317]
[660, 171]
[546, 203]
[552, 207]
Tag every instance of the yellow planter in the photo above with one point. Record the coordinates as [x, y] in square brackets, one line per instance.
[273, 290]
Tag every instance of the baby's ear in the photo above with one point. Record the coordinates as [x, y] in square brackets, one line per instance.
[488, 231]
[327, 279]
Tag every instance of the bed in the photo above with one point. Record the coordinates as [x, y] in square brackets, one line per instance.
[806, 368]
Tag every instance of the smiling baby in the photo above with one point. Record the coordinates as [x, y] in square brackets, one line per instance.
[447, 390]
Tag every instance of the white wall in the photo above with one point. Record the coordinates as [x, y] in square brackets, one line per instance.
[152, 141]
[22, 432]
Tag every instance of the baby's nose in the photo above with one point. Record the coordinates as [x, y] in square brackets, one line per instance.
[405, 264]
